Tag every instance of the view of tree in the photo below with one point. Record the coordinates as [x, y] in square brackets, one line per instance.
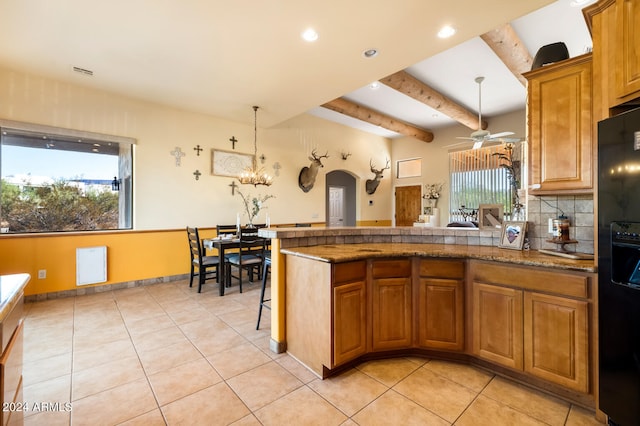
[60, 206]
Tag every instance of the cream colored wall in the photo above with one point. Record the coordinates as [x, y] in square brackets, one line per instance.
[169, 197]
[435, 160]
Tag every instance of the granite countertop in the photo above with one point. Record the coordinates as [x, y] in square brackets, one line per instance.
[337, 253]
[11, 286]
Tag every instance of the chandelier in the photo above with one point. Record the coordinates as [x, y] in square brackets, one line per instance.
[253, 175]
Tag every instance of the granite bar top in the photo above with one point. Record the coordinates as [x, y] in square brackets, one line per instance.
[337, 253]
[320, 231]
[11, 287]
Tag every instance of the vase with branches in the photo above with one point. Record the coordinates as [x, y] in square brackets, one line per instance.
[253, 205]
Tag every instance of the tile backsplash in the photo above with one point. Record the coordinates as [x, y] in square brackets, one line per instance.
[577, 208]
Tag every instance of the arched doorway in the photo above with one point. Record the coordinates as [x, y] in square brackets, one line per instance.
[340, 199]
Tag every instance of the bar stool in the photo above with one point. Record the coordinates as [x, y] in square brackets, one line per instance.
[263, 301]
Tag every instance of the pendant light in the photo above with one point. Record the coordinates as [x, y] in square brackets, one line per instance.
[253, 175]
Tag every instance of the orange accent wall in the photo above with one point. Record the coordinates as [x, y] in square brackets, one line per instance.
[131, 255]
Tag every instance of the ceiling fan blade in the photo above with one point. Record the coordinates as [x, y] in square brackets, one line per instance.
[499, 135]
[465, 137]
[468, 143]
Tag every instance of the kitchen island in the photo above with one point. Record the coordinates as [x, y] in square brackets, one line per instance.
[519, 313]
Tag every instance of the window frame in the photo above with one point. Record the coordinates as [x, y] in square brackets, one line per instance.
[124, 174]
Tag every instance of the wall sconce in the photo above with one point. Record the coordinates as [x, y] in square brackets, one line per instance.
[115, 184]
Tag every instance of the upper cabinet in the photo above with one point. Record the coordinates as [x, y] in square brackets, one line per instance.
[560, 127]
[615, 29]
[627, 35]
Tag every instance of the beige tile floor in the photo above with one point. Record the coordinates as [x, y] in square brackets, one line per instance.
[164, 354]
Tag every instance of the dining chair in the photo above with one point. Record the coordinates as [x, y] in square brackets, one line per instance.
[204, 264]
[264, 302]
[250, 257]
[226, 229]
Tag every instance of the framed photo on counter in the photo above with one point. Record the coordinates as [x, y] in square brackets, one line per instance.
[512, 236]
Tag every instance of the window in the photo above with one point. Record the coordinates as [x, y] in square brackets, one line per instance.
[479, 176]
[63, 180]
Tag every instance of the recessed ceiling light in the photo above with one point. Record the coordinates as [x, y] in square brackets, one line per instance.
[375, 85]
[446, 31]
[370, 53]
[310, 35]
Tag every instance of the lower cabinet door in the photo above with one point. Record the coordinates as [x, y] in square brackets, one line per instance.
[497, 324]
[11, 377]
[441, 313]
[391, 313]
[556, 336]
[349, 321]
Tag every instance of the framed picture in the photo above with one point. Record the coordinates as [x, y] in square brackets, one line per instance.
[513, 235]
[490, 216]
[409, 168]
[229, 163]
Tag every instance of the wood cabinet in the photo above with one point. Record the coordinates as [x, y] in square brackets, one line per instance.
[561, 144]
[391, 313]
[497, 324]
[529, 322]
[556, 340]
[349, 311]
[11, 359]
[627, 51]
[615, 29]
[519, 324]
[440, 304]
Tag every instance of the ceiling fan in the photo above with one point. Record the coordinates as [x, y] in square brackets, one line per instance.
[481, 136]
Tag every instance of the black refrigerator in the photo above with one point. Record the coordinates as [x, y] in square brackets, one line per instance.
[619, 267]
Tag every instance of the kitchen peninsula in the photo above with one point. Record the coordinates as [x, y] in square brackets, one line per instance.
[344, 295]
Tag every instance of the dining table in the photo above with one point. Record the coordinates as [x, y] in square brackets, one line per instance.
[222, 244]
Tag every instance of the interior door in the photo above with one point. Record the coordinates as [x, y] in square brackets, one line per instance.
[336, 206]
[408, 204]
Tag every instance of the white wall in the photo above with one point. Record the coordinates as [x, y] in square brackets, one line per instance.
[166, 196]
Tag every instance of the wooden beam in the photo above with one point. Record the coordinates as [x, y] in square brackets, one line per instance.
[363, 113]
[510, 49]
[405, 83]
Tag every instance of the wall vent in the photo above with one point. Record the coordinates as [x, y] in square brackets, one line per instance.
[83, 71]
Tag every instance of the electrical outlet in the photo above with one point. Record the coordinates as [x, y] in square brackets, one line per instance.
[42, 274]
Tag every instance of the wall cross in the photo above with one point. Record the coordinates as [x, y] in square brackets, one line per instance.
[197, 174]
[198, 150]
[177, 152]
[233, 187]
[233, 142]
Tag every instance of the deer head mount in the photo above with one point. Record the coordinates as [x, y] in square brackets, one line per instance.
[372, 184]
[307, 176]
[345, 155]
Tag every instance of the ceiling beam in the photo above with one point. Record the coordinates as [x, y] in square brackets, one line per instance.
[407, 84]
[363, 113]
[510, 49]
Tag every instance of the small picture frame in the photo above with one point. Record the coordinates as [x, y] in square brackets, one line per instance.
[513, 234]
[490, 216]
[427, 210]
